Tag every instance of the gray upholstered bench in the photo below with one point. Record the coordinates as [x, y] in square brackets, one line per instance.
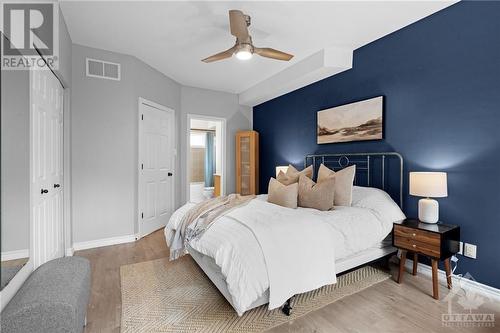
[53, 299]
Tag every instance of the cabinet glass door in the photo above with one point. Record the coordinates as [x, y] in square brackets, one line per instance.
[245, 165]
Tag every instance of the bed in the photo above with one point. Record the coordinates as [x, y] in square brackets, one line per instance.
[231, 256]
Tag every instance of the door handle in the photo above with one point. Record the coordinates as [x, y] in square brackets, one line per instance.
[169, 174]
[57, 185]
[43, 191]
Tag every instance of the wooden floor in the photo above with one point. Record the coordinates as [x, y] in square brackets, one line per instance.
[14, 262]
[385, 307]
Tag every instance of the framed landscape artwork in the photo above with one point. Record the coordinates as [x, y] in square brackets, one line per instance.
[359, 121]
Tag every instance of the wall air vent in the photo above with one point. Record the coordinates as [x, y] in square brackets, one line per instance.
[103, 69]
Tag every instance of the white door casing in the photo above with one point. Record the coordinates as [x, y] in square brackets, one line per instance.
[156, 166]
[46, 149]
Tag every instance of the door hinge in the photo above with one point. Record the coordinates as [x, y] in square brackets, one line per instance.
[142, 215]
[142, 117]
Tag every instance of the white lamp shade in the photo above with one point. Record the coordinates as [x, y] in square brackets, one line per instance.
[281, 168]
[428, 184]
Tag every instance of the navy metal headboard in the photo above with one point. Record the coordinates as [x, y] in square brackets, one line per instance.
[380, 170]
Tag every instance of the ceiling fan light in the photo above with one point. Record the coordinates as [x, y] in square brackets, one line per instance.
[243, 54]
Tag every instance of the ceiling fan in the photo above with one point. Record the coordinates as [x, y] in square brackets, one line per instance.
[243, 49]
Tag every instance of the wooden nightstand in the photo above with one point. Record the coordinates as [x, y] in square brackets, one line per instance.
[438, 241]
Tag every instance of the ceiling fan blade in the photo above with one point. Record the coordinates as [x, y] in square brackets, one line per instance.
[221, 55]
[272, 53]
[238, 24]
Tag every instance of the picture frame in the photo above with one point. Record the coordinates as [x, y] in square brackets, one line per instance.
[358, 121]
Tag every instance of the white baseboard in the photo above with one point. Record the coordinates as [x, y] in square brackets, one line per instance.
[17, 254]
[103, 242]
[69, 252]
[488, 291]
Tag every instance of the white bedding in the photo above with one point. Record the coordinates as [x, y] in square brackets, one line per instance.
[297, 248]
[237, 252]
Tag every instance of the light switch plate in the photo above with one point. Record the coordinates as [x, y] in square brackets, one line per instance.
[470, 250]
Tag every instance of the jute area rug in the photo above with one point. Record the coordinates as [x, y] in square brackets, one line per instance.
[163, 296]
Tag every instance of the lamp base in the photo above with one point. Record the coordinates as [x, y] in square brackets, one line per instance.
[428, 210]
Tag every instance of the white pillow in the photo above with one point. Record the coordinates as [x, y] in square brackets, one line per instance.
[379, 201]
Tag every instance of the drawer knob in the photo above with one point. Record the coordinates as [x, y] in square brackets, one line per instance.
[414, 234]
[414, 245]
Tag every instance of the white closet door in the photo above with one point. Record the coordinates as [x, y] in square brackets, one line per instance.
[156, 183]
[46, 166]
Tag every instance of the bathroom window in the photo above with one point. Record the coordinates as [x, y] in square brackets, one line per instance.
[198, 139]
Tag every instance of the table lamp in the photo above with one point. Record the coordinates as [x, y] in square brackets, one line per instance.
[428, 185]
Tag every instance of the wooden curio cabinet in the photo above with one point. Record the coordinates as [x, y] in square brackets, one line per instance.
[247, 162]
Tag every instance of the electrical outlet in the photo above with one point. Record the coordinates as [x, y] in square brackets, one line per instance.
[470, 250]
[461, 248]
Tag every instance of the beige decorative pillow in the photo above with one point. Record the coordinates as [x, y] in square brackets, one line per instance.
[316, 195]
[292, 171]
[286, 180]
[292, 174]
[283, 195]
[343, 183]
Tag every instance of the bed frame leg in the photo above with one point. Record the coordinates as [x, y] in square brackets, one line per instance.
[386, 263]
[287, 308]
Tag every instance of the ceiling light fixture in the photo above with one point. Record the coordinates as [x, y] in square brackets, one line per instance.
[243, 55]
[244, 51]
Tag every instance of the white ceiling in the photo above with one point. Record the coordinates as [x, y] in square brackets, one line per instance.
[173, 36]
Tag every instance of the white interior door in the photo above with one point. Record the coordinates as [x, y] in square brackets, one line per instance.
[156, 161]
[46, 98]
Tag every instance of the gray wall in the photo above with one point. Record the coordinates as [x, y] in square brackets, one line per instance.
[104, 142]
[15, 160]
[104, 139]
[101, 140]
[156, 87]
[217, 104]
[65, 45]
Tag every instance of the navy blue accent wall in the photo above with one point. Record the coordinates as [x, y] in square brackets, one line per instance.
[441, 81]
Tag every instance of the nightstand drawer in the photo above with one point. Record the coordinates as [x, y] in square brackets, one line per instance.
[433, 250]
[429, 238]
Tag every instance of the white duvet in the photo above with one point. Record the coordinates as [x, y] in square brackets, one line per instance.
[235, 249]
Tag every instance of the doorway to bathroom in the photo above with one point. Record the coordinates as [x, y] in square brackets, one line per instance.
[205, 158]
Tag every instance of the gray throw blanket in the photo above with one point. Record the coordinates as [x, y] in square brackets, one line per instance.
[201, 217]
